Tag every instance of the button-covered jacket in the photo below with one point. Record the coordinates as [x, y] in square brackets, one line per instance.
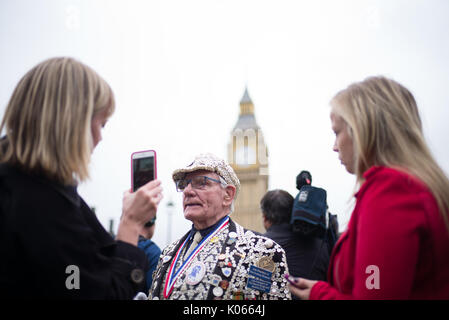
[233, 263]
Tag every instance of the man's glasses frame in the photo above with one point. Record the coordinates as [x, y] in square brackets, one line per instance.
[198, 182]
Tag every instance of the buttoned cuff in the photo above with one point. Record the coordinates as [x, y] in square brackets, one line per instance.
[134, 261]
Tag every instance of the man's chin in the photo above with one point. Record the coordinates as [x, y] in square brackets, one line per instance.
[192, 212]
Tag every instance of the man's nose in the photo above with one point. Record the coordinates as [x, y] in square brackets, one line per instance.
[188, 189]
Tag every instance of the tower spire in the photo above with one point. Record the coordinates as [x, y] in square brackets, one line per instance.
[246, 104]
[246, 98]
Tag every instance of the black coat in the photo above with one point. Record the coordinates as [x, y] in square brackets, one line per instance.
[307, 257]
[48, 234]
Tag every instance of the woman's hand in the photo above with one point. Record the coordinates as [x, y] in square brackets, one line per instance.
[138, 208]
[301, 287]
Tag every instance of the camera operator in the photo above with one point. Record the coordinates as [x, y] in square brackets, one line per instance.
[307, 256]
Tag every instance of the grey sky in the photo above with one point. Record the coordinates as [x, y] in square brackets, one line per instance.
[179, 70]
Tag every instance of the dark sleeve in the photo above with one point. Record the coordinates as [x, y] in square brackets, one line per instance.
[61, 242]
[153, 253]
[153, 259]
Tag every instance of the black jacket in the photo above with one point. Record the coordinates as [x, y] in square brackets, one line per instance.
[48, 234]
[307, 257]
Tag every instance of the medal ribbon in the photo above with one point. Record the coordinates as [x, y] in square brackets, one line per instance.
[172, 276]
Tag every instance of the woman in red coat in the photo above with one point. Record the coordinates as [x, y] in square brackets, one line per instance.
[396, 245]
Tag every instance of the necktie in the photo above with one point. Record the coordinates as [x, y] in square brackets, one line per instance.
[196, 239]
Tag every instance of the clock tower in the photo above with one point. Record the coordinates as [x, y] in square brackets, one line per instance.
[248, 156]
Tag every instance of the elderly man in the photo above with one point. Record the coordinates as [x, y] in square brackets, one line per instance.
[217, 258]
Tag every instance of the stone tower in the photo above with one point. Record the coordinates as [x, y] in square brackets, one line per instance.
[248, 156]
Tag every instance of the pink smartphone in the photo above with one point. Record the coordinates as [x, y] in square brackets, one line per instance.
[143, 168]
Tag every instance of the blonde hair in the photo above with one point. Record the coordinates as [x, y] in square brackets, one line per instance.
[48, 119]
[386, 128]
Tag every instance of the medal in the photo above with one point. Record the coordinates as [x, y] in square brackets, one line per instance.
[173, 275]
[166, 259]
[266, 263]
[196, 273]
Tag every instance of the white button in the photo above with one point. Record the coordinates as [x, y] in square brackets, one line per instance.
[268, 244]
[218, 291]
[232, 234]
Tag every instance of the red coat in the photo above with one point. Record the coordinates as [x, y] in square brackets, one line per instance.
[396, 245]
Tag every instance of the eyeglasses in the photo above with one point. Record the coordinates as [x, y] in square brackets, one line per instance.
[150, 223]
[198, 182]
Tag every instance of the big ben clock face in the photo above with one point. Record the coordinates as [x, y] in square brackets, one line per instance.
[245, 156]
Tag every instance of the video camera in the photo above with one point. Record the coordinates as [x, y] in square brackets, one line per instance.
[309, 214]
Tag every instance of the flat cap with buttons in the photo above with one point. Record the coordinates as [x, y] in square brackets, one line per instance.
[209, 162]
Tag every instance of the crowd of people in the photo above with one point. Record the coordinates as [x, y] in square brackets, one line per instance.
[396, 245]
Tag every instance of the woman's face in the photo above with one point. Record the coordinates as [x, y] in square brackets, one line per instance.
[98, 123]
[343, 142]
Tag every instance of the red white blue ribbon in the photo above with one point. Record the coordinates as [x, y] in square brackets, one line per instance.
[172, 276]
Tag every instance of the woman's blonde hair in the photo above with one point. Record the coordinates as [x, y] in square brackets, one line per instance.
[386, 128]
[48, 119]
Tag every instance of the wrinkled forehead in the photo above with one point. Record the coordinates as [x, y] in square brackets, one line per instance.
[206, 173]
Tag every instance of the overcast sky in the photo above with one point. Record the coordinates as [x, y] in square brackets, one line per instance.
[179, 69]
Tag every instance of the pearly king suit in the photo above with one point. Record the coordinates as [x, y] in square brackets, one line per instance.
[234, 263]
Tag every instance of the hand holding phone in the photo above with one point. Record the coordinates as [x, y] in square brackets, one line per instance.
[300, 287]
[143, 168]
[138, 209]
[292, 280]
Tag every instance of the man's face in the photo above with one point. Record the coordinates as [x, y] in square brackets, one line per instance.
[206, 205]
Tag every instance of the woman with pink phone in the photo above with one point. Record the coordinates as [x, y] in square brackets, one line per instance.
[52, 244]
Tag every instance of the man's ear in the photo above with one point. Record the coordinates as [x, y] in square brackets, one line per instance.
[229, 195]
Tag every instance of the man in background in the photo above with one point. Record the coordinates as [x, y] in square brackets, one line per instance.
[151, 250]
[307, 256]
